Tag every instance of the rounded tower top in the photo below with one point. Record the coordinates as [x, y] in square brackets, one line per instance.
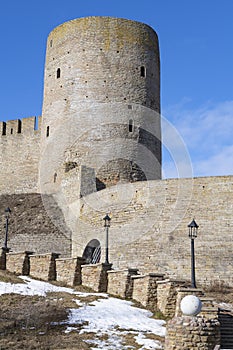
[124, 30]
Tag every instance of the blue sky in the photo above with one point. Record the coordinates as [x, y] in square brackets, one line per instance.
[196, 46]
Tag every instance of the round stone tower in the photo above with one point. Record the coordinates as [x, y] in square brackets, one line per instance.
[101, 108]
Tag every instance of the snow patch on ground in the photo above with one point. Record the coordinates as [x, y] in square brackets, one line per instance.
[110, 319]
[105, 314]
[35, 287]
[31, 287]
[147, 343]
[113, 317]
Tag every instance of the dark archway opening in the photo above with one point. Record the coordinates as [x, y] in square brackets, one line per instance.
[92, 252]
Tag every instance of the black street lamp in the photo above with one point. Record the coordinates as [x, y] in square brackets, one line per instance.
[193, 227]
[107, 220]
[7, 214]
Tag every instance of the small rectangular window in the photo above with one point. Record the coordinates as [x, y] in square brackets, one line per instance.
[143, 71]
[47, 131]
[4, 128]
[19, 127]
[58, 73]
[36, 122]
[130, 125]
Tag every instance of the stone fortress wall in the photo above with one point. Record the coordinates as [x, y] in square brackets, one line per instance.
[149, 226]
[19, 155]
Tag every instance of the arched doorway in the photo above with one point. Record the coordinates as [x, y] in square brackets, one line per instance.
[92, 252]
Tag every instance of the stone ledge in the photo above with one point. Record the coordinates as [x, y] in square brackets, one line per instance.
[21, 252]
[139, 276]
[189, 289]
[66, 259]
[117, 271]
[171, 280]
[91, 265]
[46, 254]
[152, 275]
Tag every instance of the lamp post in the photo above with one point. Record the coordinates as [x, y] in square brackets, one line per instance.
[107, 220]
[7, 214]
[193, 227]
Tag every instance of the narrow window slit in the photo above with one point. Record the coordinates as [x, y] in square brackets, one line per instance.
[4, 128]
[19, 127]
[143, 71]
[130, 125]
[58, 73]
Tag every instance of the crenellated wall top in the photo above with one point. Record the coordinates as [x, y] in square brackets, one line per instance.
[23, 126]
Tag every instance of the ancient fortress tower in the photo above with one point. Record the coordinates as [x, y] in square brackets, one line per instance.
[102, 101]
[97, 149]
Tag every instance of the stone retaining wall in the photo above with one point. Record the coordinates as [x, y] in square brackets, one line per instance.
[18, 263]
[95, 276]
[43, 266]
[167, 295]
[69, 270]
[120, 282]
[145, 289]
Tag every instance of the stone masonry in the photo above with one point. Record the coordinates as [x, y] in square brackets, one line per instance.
[167, 296]
[43, 266]
[145, 290]
[120, 282]
[36, 224]
[69, 270]
[18, 263]
[96, 277]
[192, 333]
[96, 67]
[149, 226]
[19, 155]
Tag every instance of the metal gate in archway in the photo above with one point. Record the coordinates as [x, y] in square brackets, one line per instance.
[92, 252]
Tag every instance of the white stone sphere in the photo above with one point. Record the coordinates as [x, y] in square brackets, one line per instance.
[190, 305]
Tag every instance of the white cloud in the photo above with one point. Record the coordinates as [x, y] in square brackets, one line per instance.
[175, 153]
[220, 163]
[207, 133]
